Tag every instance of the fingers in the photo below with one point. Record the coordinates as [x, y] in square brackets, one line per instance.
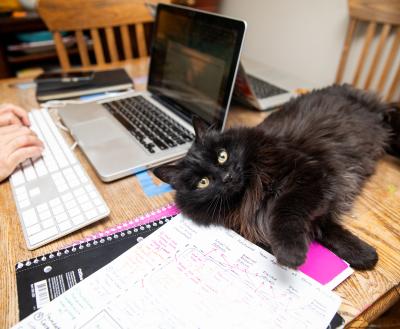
[9, 118]
[6, 130]
[21, 154]
[10, 133]
[17, 143]
[17, 114]
[24, 141]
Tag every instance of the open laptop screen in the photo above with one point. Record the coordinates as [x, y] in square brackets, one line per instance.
[194, 59]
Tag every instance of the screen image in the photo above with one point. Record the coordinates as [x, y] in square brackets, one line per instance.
[193, 62]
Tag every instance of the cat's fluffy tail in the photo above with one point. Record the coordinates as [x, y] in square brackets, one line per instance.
[390, 112]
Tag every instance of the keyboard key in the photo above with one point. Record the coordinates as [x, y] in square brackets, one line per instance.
[91, 214]
[102, 209]
[70, 204]
[40, 168]
[23, 197]
[97, 201]
[84, 198]
[54, 202]
[30, 174]
[58, 209]
[44, 214]
[78, 219]
[86, 206]
[48, 223]
[29, 217]
[17, 178]
[65, 225]
[34, 192]
[62, 188]
[20, 190]
[78, 192]
[73, 183]
[67, 197]
[61, 217]
[43, 235]
[73, 212]
[24, 203]
[33, 229]
[42, 207]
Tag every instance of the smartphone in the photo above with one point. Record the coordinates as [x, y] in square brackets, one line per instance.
[65, 77]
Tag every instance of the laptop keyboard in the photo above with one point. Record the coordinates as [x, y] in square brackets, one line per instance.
[155, 130]
[263, 89]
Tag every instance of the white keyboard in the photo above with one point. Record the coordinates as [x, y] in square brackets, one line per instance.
[53, 194]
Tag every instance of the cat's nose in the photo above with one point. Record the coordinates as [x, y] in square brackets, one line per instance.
[227, 177]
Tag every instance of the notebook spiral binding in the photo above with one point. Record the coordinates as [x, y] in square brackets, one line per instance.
[87, 243]
[166, 211]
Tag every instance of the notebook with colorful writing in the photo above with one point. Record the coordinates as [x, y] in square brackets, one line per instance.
[42, 279]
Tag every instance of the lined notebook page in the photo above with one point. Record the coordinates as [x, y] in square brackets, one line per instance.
[187, 276]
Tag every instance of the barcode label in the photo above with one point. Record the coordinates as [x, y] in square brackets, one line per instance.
[42, 293]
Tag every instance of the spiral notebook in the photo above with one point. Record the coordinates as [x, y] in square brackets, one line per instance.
[179, 275]
[44, 278]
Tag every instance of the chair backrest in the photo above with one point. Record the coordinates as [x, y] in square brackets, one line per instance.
[382, 18]
[87, 18]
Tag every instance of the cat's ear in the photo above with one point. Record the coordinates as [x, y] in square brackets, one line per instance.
[200, 126]
[167, 173]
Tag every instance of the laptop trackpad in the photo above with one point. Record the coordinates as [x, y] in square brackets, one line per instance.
[98, 131]
[110, 149]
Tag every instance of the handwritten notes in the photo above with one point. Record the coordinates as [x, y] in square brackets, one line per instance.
[188, 276]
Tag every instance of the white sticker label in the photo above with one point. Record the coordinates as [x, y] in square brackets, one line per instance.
[42, 293]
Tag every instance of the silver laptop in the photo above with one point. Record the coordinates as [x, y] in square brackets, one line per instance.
[194, 60]
[263, 87]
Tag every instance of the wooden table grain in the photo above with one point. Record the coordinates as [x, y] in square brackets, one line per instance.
[375, 218]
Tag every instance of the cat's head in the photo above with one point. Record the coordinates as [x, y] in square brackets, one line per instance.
[210, 180]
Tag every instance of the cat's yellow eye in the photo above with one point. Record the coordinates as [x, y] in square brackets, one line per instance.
[203, 183]
[222, 156]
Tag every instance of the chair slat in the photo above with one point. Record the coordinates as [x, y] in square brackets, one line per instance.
[141, 40]
[368, 39]
[111, 44]
[346, 48]
[98, 48]
[82, 47]
[394, 86]
[61, 51]
[126, 41]
[381, 43]
[389, 61]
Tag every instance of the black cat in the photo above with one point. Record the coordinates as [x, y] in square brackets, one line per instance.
[288, 180]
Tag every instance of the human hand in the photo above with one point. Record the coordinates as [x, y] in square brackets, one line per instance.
[13, 115]
[17, 141]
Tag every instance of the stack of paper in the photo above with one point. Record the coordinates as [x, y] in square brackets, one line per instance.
[187, 276]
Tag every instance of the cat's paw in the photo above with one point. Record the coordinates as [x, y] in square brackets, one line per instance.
[291, 255]
[365, 259]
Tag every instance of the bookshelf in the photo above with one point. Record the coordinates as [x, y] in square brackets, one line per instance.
[12, 62]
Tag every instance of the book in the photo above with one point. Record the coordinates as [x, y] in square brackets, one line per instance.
[180, 275]
[102, 81]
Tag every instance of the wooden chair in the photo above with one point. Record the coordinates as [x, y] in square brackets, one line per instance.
[381, 17]
[87, 18]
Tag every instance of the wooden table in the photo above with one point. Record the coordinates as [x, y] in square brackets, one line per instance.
[375, 218]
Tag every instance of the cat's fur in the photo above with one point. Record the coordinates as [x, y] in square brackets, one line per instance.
[288, 180]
